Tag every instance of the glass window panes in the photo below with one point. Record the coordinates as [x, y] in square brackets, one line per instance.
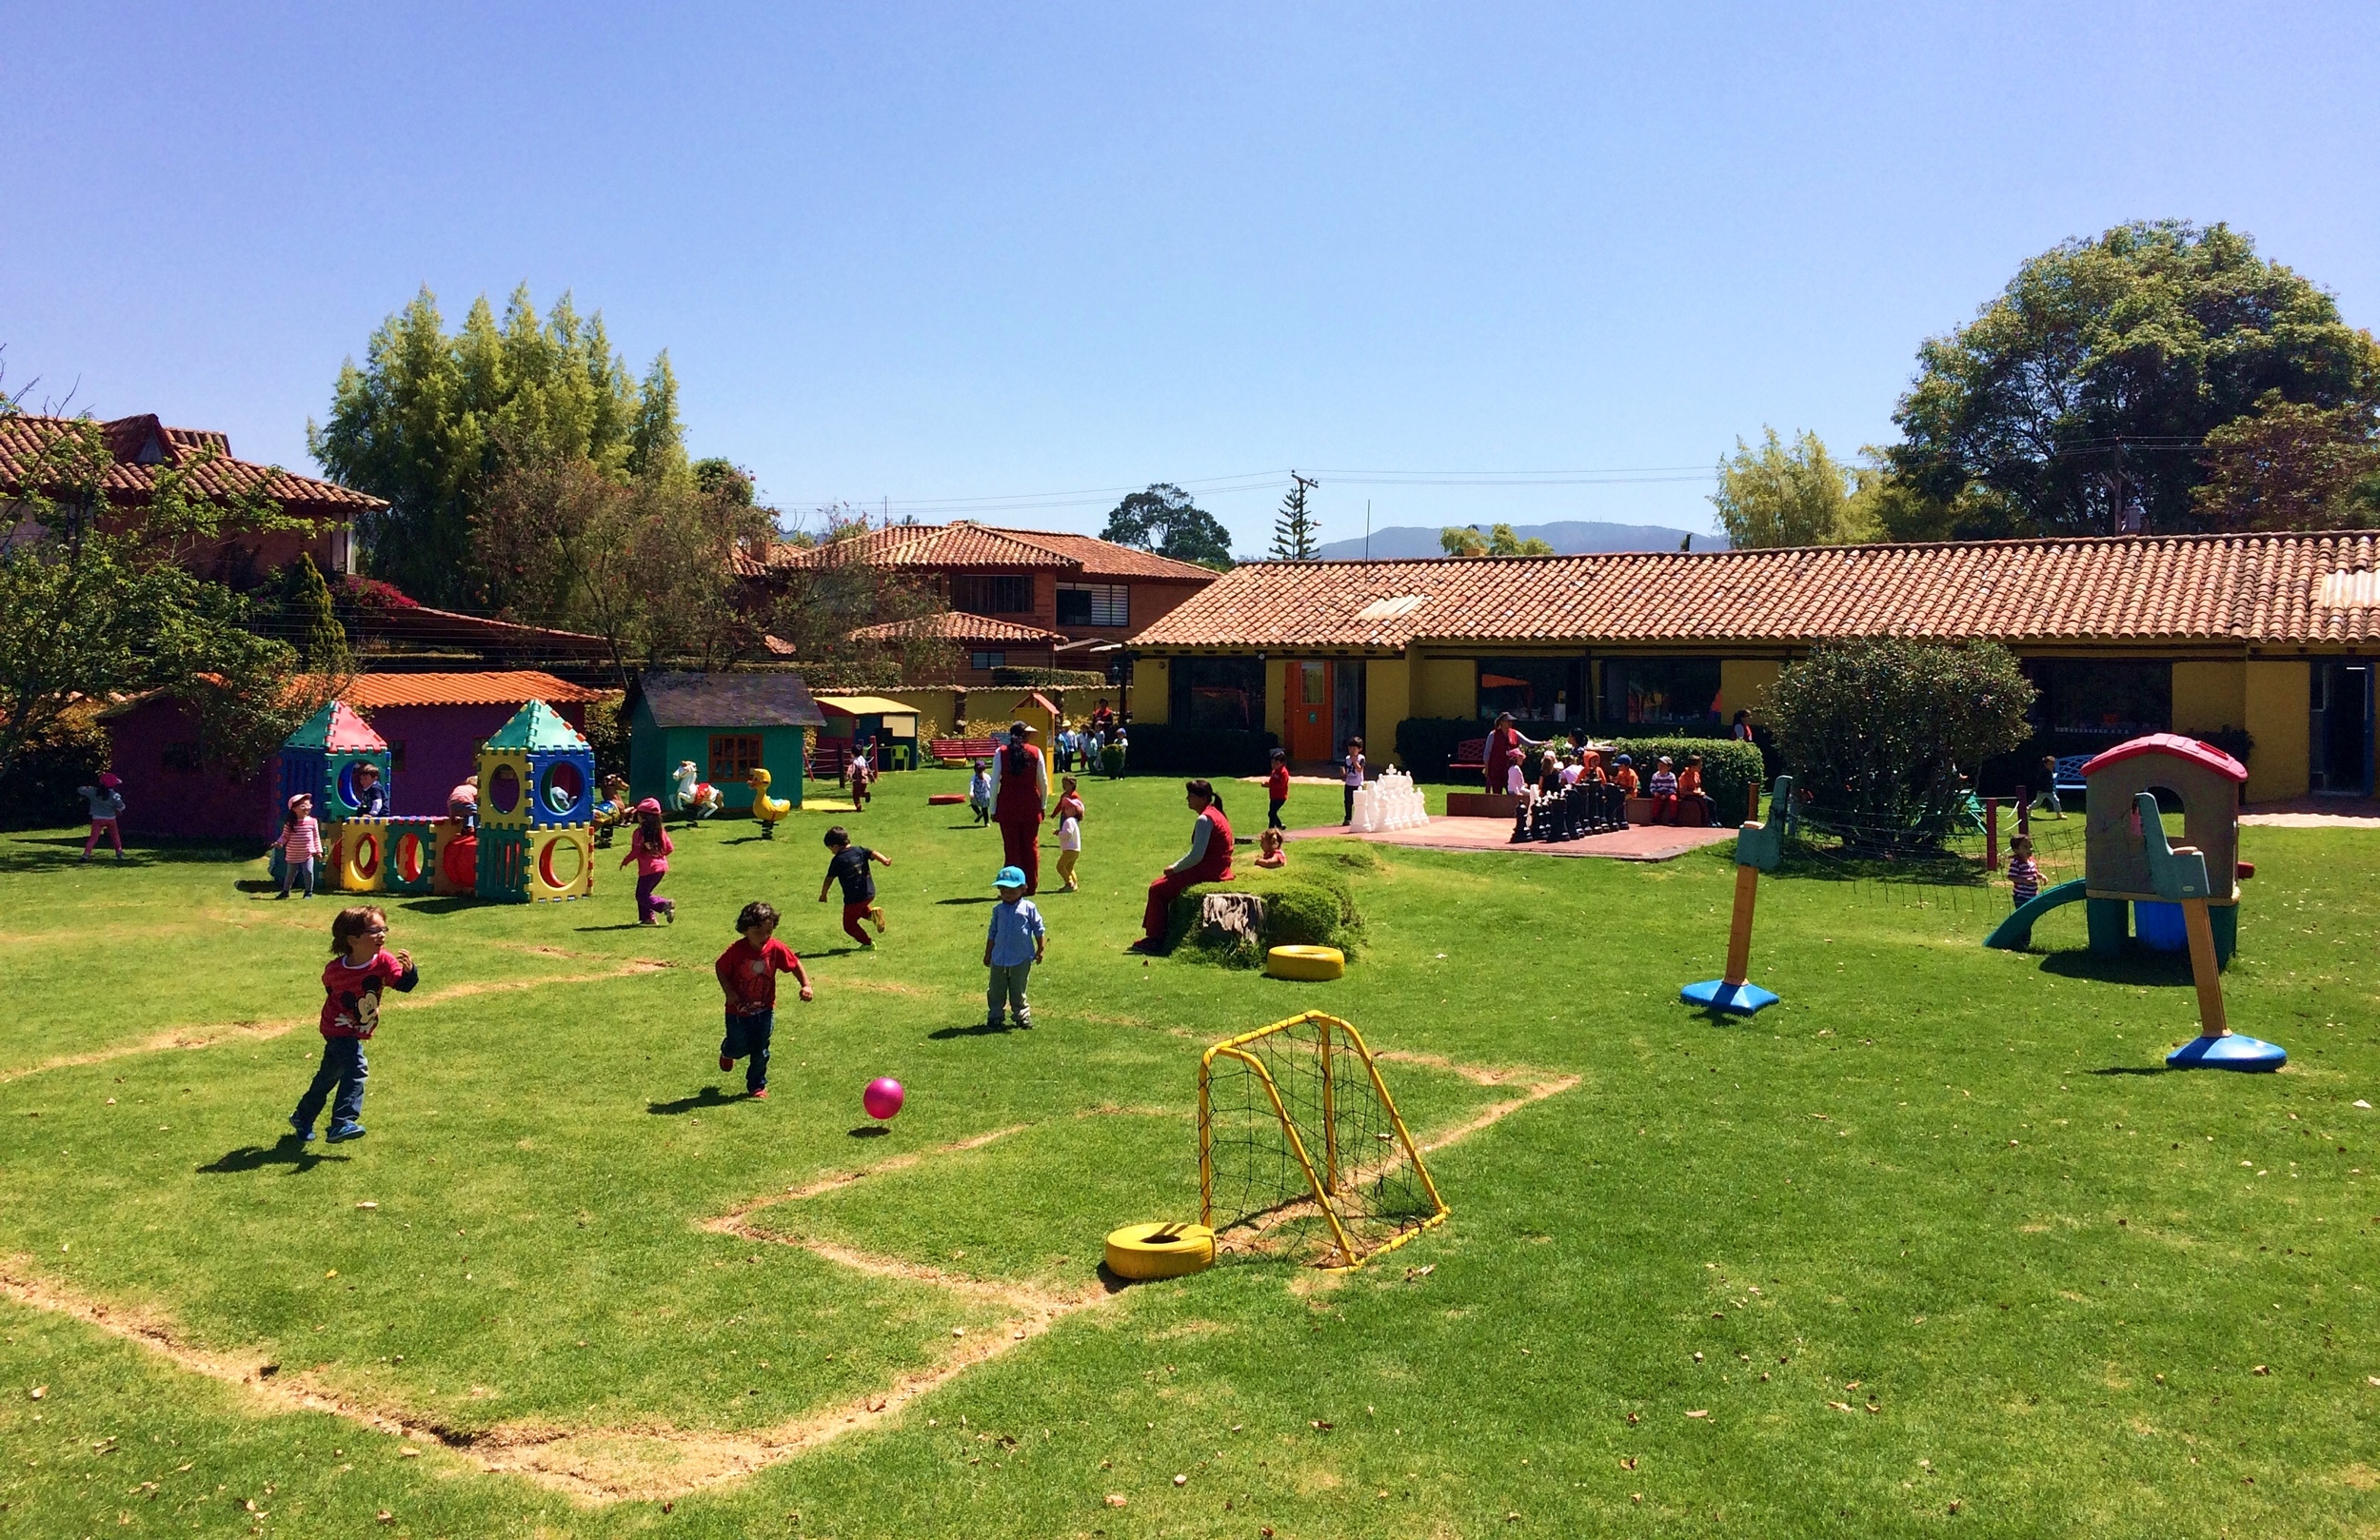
[1530, 688]
[1094, 603]
[1662, 692]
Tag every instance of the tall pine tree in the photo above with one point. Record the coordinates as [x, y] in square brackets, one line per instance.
[1292, 532]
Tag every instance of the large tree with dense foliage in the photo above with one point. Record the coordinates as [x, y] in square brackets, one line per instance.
[2110, 363]
[96, 600]
[432, 418]
[1781, 494]
[1877, 733]
[1165, 519]
[2292, 465]
[1466, 540]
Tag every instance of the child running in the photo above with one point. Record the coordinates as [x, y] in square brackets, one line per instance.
[1277, 789]
[648, 849]
[2024, 875]
[1012, 946]
[1069, 833]
[849, 866]
[107, 806]
[359, 968]
[747, 975]
[980, 793]
[300, 841]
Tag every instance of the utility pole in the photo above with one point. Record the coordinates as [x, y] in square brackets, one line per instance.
[1367, 530]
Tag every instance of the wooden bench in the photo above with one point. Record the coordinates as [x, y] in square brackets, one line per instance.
[961, 750]
[1688, 813]
[1471, 753]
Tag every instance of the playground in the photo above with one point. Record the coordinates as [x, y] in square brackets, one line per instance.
[1935, 1242]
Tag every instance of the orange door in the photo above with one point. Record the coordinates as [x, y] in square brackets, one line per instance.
[1309, 713]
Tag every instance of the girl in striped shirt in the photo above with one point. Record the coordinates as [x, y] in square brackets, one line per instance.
[301, 841]
[2023, 876]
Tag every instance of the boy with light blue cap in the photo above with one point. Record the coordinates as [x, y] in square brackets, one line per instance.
[1014, 943]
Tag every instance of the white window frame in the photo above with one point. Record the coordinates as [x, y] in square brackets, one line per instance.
[1111, 603]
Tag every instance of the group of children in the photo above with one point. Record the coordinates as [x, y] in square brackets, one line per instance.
[1562, 766]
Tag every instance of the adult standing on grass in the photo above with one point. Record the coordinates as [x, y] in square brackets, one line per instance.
[1020, 796]
[1207, 860]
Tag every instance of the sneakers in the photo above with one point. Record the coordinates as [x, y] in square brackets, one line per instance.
[875, 918]
[340, 1132]
[670, 914]
[761, 1094]
[726, 1061]
[304, 1132]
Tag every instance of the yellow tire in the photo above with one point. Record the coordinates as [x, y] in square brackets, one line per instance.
[1159, 1250]
[1310, 962]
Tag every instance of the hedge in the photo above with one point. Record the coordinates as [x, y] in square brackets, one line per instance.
[1310, 903]
[1162, 749]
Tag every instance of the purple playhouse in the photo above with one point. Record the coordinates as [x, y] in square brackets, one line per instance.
[433, 724]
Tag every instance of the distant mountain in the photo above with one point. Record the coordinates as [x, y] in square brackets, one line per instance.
[1570, 538]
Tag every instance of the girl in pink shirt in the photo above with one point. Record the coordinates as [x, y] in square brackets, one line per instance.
[300, 841]
[649, 850]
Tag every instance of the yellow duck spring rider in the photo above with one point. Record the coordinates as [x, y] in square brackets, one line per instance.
[765, 807]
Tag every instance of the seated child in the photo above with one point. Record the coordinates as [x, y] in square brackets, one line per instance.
[1690, 790]
[1571, 770]
[1663, 790]
[1268, 849]
[1624, 774]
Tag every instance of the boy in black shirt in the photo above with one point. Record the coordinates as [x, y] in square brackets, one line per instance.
[849, 867]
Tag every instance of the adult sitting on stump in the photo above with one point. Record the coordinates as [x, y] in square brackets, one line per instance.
[1208, 861]
[1019, 795]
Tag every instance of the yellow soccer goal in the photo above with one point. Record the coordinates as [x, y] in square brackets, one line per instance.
[1301, 1147]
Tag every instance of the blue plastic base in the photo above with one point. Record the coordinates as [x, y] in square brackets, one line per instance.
[2233, 1053]
[1717, 995]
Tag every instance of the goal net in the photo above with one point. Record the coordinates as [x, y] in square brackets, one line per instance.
[1301, 1150]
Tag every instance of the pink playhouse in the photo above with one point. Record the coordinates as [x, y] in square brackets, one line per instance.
[433, 724]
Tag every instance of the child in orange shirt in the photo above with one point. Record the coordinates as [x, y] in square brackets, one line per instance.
[1690, 791]
[1624, 774]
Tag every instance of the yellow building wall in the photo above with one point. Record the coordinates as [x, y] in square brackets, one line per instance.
[1744, 683]
[1448, 688]
[1277, 696]
[1387, 700]
[2276, 712]
[2209, 696]
[1152, 692]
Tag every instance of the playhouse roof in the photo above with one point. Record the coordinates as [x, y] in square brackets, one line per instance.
[536, 727]
[723, 700]
[2205, 755]
[335, 729]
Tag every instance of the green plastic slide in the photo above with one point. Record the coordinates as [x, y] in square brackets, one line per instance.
[2016, 932]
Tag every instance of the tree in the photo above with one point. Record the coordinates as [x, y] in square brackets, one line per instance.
[1876, 732]
[433, 420]
[1293, 532]
[2291, 466]
[1466, 540]
[2092, 380]
[724, 477]
[1780, 495]
[1164, 519]
[95, 601]
[322, 641]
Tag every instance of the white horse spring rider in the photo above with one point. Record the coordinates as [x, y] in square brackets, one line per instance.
[692, 795]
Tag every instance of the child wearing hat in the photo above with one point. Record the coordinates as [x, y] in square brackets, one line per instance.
[1013, 944]
[106, 805]
[300, 841]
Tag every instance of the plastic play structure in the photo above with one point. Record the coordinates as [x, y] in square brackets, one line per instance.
[2172, 897]
[765, 807]
[535, 839]
[1758, 848]
[1389, 802]
[691, 794]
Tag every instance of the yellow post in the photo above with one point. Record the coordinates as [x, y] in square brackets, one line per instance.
[2203, 969]
[1740, 934]
[1330, 1109]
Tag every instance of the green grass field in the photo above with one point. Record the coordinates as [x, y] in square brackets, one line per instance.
[1933, 1246]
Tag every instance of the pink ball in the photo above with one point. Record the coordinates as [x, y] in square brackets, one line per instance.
[882, 1099]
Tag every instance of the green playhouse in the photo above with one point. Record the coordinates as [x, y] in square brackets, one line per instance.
[724, 724]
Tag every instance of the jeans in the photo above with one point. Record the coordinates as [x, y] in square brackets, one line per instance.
[290, 869]
[1350, 790]
[1272, 813]
[343, 1066]
[1008, 985]
[749, 1034]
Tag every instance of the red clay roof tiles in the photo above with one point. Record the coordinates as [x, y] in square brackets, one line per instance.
[963, 545]
[141, 444]
[2244, 588]
[956, 625]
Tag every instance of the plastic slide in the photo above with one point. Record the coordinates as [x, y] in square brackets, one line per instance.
[2016, 932]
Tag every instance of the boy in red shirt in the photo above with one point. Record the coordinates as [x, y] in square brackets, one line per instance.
[747, 975]
[351, 986]
[1276, 790]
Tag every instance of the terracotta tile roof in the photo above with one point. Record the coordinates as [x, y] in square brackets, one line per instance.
[140, 446]
[496, 687]
[958, 626]
[965, 546]
[2267, 588]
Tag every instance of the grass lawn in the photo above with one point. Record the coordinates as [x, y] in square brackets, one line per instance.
[1931, 1246]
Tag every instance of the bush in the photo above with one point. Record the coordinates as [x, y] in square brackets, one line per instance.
[1877, 732]
[1729, 768]
[1162, 749]
[1311, 903]
[608, 735]
[39, 791]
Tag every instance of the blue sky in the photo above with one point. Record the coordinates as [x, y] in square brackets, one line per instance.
[933, 254]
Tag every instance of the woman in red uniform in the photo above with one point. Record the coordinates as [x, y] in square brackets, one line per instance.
[1020, 796]
[1208, 861]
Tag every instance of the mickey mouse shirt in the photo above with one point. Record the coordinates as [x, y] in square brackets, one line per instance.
[351, 994]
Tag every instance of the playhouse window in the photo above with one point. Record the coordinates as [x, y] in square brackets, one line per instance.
[733, 756]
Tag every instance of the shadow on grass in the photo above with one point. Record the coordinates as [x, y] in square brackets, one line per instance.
[287, 1151]
[2135, 1069]
[710, 1096]
[979, 1028]
[985, 898]
[39, 852]
[445, 904]
[824, 953]
[867, 1130]
[623, 925]
[2156, 970]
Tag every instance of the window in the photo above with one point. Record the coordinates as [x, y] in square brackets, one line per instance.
[980, 595]
[1673, 692]
[733, 756]
[1093, 603]
[988, 659]
[1217, 692]
[2105, 699]
[1533, 689]
[181, 756]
